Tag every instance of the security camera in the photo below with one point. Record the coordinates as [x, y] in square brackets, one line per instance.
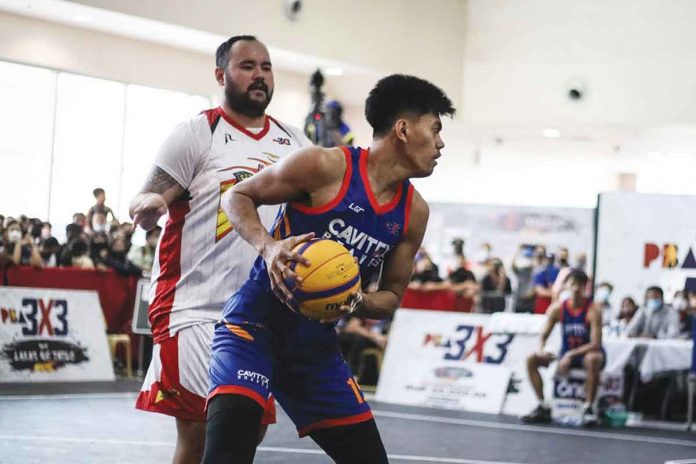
[576, 90]
[293, 8]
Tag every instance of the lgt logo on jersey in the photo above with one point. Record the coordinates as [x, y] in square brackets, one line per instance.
[282, 141]
[471, 341]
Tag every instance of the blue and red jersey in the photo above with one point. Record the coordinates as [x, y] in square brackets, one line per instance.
[575, 325]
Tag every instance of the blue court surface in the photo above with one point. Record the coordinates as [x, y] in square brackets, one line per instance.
[93, 424]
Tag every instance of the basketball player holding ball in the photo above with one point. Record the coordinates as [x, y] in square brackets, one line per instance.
[361, 198]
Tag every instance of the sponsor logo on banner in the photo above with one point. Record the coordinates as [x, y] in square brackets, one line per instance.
[44, 318]
[51, 334]
[472, 343]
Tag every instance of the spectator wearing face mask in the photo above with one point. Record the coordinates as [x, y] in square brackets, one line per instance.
[144, 256]
[73, 233]
[523, 268]
[99, 208]
[117, 260]
[655, 319]
[19, 247]
[49, 249]
[601, 297]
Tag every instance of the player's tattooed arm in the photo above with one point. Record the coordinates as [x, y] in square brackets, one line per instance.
[159, 191]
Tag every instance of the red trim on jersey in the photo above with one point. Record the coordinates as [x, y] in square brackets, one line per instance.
[170, 270]
[237, 390]
[575, 312]
[211, 115]
[407, 213]
[244, 130]
[379, 209]
[167, 395]
[337, 199]
[328, 423]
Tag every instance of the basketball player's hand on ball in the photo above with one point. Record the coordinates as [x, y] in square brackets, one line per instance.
[279, 256]
[349, 306]
[151, 208]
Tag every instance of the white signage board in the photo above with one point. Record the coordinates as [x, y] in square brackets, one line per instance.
[437, 359]
[49, 335]
[645, 240]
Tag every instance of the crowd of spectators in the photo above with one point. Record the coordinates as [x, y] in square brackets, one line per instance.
[538, 280]
[95, 240]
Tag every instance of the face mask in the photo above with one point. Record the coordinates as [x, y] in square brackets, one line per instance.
[45, 233]
[602, 294]
[99, 227]
[679, 304]
[482, 256]
[14, 235]
[565, 295]
[523, 262]
[653, 304]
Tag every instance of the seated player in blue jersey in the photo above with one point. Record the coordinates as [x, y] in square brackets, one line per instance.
[361, 198]
[581, 347]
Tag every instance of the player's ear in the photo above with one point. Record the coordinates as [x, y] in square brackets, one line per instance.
[401, 128]
[220, 76]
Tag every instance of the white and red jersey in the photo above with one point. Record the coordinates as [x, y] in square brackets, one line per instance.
[201, 261]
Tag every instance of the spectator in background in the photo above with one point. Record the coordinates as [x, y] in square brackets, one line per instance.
[680, 304]
[98, 223]
[117, 260]
[80, 219]
[601, 297]
[628, 310]
[99, 249]
[482, 261]
[426, 275]
[339, 131]
[20, 247]
[462, 280]
[99, 207]
[565, 269]
[73, 233]
[46, 231]
[78, 251]
[523, 266]
[543, 281]
[356, 335]
[494, 288]
[49, 249]
[655, 319]
[144, 256]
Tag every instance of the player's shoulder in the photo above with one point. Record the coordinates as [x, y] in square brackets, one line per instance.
[418, 205]
[328, 163]
[293, 132]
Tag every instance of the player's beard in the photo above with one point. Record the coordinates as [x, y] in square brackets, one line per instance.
[241, 102]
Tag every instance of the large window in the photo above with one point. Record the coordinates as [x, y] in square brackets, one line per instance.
[27, 97]
[63, 135]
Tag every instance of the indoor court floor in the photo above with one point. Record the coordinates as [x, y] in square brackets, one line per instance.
[98, 424]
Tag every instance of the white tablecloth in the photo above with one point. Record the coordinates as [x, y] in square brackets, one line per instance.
[659, 356]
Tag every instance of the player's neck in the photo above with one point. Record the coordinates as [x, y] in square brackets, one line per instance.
[243, 120]
[383, 169]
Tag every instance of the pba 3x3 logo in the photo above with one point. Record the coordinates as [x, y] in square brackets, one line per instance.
[40, 318]
[471, 341]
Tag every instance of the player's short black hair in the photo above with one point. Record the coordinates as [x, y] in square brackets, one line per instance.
[222, 55]
[399, 94]
[578, 276]
[97, 191]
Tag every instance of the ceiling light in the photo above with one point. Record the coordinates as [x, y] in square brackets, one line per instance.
[551, 133]
[333, 71]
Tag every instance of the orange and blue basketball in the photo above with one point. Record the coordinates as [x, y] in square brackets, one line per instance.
[332, 276]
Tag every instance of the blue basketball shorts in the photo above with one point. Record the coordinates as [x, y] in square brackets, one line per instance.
[315, 388]
[577, 361]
